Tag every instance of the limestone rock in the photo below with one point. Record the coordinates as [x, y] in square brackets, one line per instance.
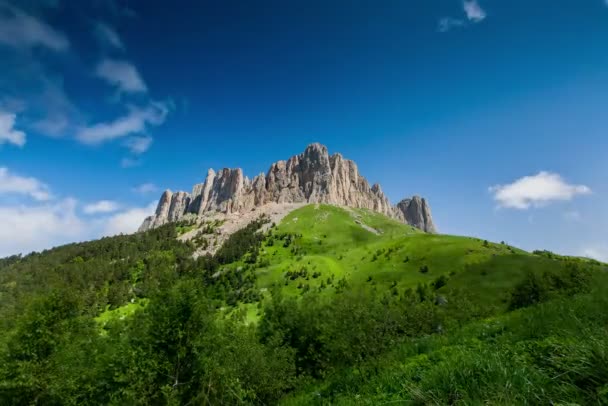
[310, 177]
[416, 211]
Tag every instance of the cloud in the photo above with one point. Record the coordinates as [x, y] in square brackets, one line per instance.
[122, 75]
[146, 188]
[473, 11]
[597, 252]
[138, 145]
[19, 185]
[27, 228]
[136, 122]
[537, 190]
[23, 31]
[102, 206]
[107, 35]
[127, 221]
[448, 23]
[129, 163]
[8, 134]
[45, 223]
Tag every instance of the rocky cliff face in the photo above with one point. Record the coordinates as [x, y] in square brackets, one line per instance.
[310, 177]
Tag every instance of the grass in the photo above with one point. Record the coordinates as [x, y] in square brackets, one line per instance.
[552, 353]
[119, 313]
[369, 250]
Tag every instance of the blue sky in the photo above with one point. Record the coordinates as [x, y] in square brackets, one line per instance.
[492, 110]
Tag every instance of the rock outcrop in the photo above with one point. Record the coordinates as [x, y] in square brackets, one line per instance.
[310, 177]
[416, 211]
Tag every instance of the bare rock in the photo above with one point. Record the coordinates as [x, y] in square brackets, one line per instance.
[310, 177]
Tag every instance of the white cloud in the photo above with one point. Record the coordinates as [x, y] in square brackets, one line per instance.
[146, 188]
[135, 122]
[108, 35]
[102, 206]
[473, 11]
[138, 145]
[19, 185]
[448, 23]
[27, 228]
[536, 190]
[597, 252]
[8, 133]
[33, 228]
[128, 221]
[121, 74]
[21, 30]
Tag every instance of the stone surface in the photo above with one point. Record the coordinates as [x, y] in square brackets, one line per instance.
[416, 211]
[310, 177]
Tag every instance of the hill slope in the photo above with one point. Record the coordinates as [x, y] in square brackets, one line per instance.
[333, 305]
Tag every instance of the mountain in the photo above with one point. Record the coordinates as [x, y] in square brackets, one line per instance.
[313, 176]
[295, 301]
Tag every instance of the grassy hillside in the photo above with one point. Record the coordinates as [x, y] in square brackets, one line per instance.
[331, 306]
[367, 250]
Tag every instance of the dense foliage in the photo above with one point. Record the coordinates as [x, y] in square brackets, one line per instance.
[138, 320]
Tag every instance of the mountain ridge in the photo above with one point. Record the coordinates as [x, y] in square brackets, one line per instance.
[313, 176]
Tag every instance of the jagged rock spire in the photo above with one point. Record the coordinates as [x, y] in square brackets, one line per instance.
[310, 177]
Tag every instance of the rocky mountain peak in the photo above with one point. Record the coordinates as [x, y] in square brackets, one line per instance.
[310, 177]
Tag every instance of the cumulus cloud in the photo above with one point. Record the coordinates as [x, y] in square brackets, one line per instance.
[128, 221]
[27, 228]
[135, 122]
[537, 190]
[102, 206]
[35, 227]
[121, 74]
[107, 35]
[473, 11]
[146, 188]
[19, 185]
[8, 133]
[138, 145]
[21, 30]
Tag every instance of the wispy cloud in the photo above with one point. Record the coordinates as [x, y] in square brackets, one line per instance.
[537, 190]
[448, 23]
[473, 11]
[145, 188]
[21, 30]
[8, 133]
[138, 145]
[102, 206]
[474, 14]
[121, 74]
[19, 185]
[135, 122]
[108, 36]
[129, 163]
